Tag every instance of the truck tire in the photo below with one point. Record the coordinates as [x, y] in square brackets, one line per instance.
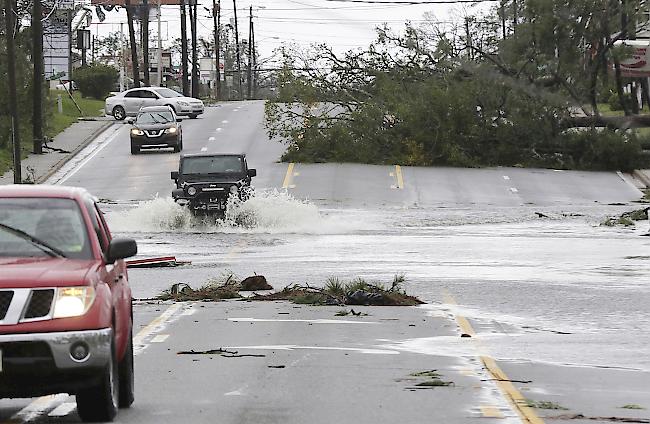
[99, 403]
[127, 376]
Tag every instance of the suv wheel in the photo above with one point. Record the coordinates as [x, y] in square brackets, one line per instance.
[127, 378]
[119, 113]
[99, 402]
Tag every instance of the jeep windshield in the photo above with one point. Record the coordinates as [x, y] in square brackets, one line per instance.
[212, 165]
[42, 228]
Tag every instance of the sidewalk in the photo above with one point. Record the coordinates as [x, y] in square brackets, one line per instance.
[67, 144]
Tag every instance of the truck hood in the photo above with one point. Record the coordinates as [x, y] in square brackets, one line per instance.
[44, 272]
[230, 178]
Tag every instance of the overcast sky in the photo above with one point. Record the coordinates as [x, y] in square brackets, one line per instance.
[343, 25]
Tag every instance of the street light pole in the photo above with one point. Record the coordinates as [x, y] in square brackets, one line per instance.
[249, 77]
[160, 64]
[241, 95]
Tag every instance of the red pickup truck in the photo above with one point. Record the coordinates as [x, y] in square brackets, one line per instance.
[66, 317]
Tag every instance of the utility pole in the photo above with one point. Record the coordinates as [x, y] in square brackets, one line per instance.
[195, 59]
[122, 57]
[216, 15]
[502, 12]
[145, 41]
[184, 59]
[11, 81]
[37, 58]
[249, 78]
[134, 46]
[160, 64]
[241, 95]
[254, 61]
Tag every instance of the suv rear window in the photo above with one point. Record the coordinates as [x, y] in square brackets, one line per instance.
[56, 222]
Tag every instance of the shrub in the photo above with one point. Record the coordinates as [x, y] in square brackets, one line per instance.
[95, 80]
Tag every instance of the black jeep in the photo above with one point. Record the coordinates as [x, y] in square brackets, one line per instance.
[204, 181]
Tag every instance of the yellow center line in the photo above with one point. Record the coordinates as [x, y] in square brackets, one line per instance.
[400, 178]
[152, 326]
[491, 412]
[510, 392]
[288, 177]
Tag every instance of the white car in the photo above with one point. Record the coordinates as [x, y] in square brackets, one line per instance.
[129, 102]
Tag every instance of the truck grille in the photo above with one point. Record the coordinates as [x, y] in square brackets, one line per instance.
[5, 301]
[39, 304]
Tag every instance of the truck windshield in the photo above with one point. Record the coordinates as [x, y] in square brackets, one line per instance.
[56, 223]
[212, 165]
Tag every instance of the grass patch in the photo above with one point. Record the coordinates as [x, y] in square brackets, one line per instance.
[632, 406]
[542, 404]
[58, 122]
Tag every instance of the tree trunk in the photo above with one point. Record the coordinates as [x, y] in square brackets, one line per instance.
[144, 25]
[134, 46]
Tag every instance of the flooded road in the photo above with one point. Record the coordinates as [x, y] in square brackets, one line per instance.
[519, 254]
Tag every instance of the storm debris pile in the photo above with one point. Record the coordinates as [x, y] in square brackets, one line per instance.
[335, 292]
[226, 287]
[627, 219]
[355, 292]
[427, 380]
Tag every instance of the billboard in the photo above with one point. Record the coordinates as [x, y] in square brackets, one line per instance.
[637, 65]
[56, 45]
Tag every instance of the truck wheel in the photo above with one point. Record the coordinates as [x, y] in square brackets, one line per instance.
[99, 402]
[134, 149]
[127, 376]
[119, 113]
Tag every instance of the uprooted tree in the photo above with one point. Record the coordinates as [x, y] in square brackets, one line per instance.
[495, 90]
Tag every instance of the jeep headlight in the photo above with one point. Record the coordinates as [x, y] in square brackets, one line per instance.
[136, 131]
[73, 301]
[171, 130]
[191, 190]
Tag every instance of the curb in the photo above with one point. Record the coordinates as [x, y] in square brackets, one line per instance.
[641, 176]
[74, 153]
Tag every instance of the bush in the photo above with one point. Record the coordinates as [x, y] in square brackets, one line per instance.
[95, 80]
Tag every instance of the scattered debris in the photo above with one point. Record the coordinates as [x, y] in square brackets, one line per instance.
[541, 215]
[256, 282]
[632, 406]
[222, 352]
[431, 379]
[610, 419]
[345, 313]
[165, 261]
[542, 404]
[465, 335]
[276, 366]
[627, 219]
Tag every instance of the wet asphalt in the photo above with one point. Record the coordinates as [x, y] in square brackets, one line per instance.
[515, 256]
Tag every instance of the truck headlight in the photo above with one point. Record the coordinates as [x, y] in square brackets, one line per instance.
[73, 301]
[171, 130]
[191, 191]
[136, 131]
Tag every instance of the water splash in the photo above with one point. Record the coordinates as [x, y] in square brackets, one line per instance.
[266, 211]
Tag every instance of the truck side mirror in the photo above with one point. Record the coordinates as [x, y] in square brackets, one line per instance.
[252, 172]
[174, 175]
[121, 248]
